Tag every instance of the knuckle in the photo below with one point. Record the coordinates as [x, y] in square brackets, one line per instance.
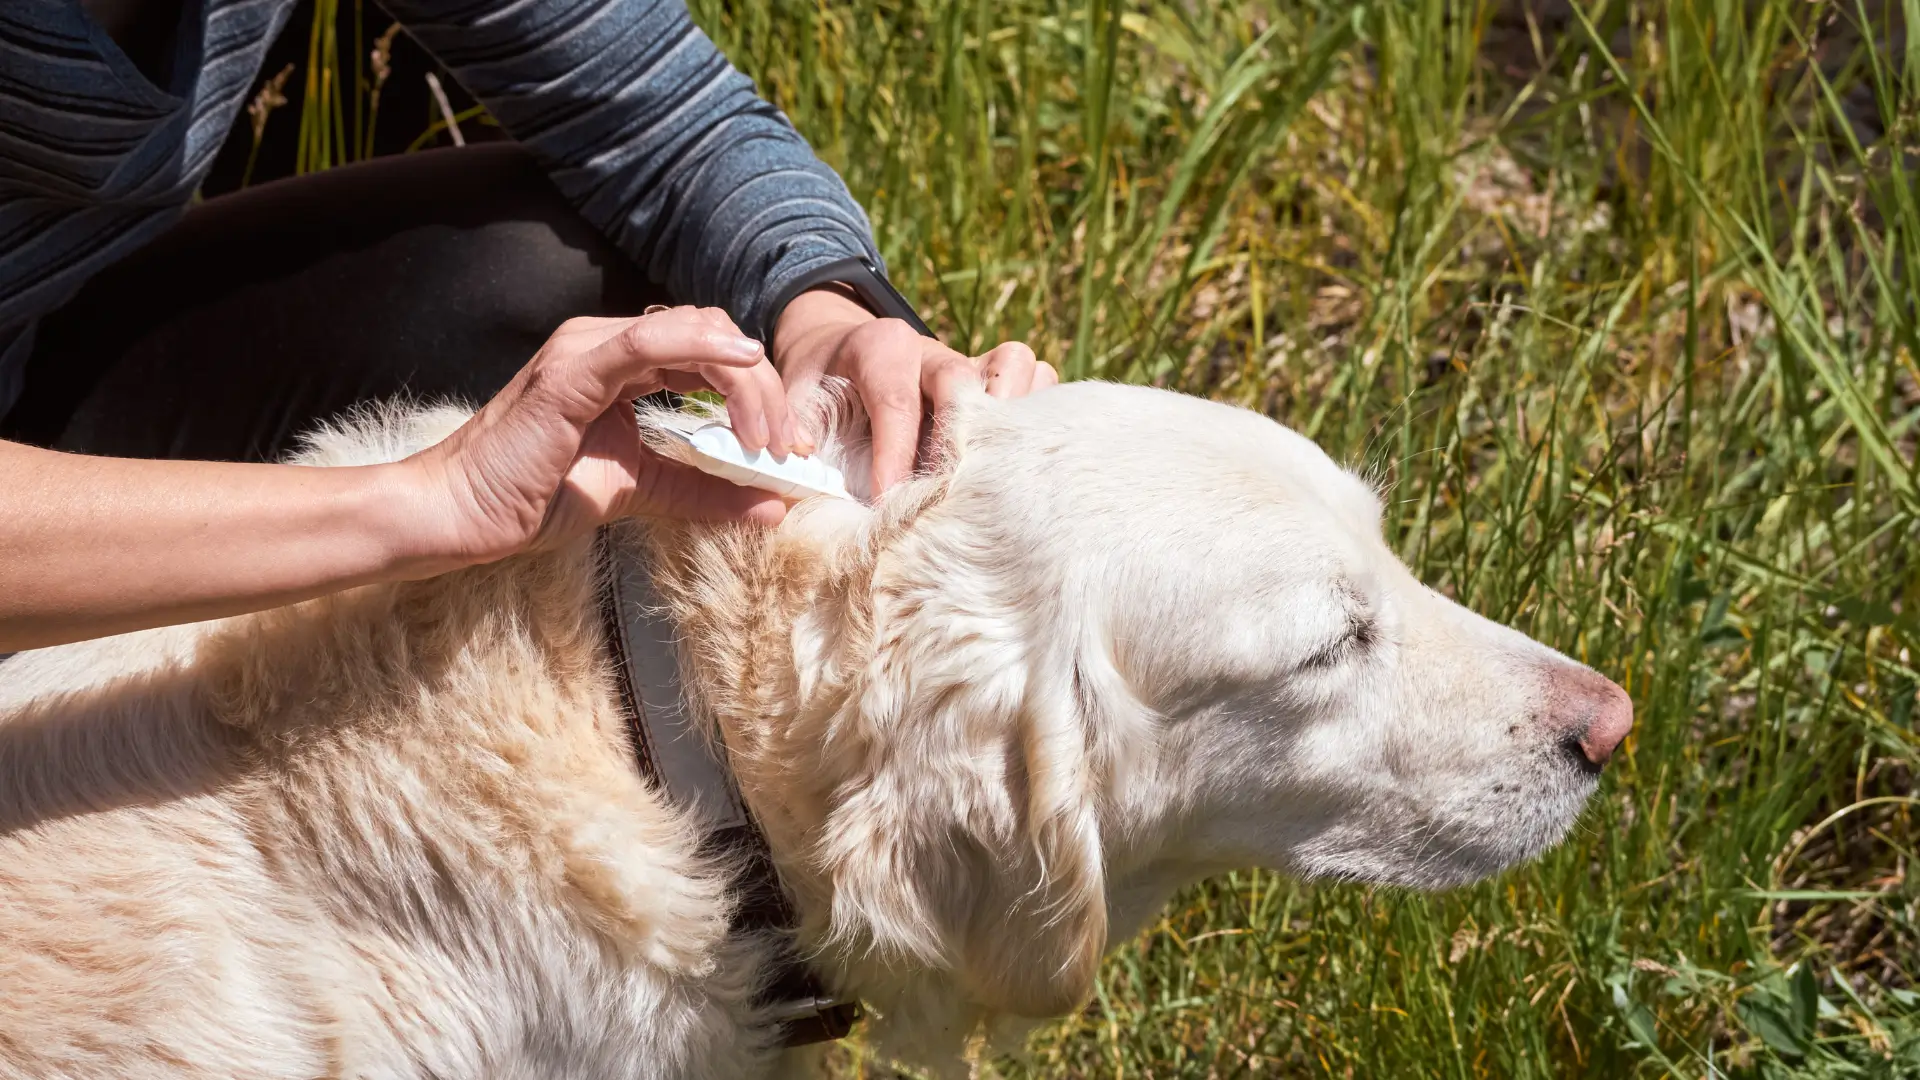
[717, 318]
[640, 336]
[893, 397]
[1014, 352]
[885, 332]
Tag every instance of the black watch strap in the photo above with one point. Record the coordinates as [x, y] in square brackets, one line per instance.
[858, 273]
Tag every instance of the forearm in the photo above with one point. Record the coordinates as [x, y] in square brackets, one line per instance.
[645, 126]
[95, 546]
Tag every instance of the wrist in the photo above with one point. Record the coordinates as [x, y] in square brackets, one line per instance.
[405, 520]
[818, 316]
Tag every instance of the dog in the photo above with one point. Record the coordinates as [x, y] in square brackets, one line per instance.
[1112, 640]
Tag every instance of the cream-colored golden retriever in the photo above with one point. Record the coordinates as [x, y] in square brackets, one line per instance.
[1114, 641]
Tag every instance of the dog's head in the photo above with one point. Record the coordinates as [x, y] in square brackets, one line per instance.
[1121, 639]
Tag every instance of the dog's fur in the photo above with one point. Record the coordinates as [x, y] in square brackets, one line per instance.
[1114, 641]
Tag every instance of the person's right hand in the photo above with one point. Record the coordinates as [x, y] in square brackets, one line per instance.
[900, 377]
[557, 452]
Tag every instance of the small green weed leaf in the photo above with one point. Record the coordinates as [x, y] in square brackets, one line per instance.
[1716, 615]
[1806, 1001]
[1638, 1017]
[1864, 613]
[1775, 1026]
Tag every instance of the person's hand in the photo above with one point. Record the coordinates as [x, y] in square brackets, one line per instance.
[558, 452]
[822, 332]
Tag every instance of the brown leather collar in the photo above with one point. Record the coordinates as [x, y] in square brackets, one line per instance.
[691, 772]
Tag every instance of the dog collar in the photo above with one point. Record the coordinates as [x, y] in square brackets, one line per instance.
[691, 771]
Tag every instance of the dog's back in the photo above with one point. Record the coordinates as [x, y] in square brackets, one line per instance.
[144, 932]
[390, 832]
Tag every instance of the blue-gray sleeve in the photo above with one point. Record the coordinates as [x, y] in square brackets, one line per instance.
[656, 138]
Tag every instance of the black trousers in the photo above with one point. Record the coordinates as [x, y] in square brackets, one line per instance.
[435, 274]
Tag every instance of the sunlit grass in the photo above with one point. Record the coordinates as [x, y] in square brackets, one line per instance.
[1619, 301]
[1620, 306]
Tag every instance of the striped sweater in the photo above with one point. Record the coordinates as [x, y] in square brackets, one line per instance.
[633, 111]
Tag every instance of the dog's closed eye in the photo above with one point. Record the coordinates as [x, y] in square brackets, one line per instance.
[1360, 634]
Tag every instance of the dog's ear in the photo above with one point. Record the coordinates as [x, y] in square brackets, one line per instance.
[965, 832]
[1037, 926]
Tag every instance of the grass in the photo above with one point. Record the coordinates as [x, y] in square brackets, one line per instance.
[1619, 299]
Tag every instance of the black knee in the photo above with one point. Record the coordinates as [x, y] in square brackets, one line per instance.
[435, 275]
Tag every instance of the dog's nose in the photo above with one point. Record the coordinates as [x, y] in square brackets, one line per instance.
[1595, 713]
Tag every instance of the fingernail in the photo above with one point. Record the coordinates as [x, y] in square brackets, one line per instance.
[745, 348]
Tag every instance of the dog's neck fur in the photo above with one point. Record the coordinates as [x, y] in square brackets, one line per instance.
[796, 640]
[779, 626]
[779, 631]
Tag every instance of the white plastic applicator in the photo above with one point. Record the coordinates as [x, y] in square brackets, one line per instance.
[713, 449]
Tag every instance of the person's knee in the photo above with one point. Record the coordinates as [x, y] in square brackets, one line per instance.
[478, 233]
[525, 273]
[436, 275]
[511, 236]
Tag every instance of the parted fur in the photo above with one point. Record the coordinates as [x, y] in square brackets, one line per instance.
[1111, 641]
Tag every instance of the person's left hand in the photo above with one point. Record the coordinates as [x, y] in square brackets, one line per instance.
[894, 370]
